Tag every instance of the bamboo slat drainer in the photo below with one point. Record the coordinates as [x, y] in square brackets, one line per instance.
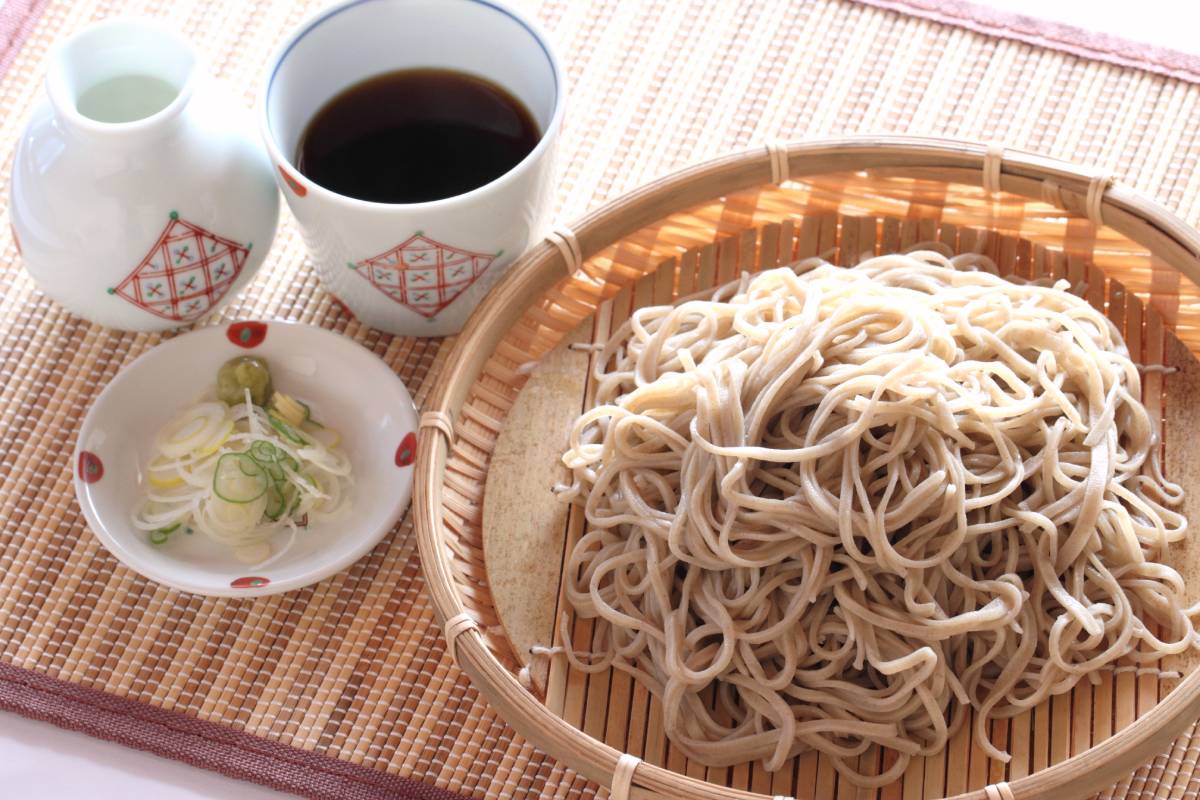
[492, 536]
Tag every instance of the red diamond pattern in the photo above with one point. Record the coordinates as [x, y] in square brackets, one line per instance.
[423, 274]
[185, 273]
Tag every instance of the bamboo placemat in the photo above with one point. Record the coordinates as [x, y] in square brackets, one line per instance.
[343, 689]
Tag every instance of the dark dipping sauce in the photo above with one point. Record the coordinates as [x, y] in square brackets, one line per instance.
[415, 135]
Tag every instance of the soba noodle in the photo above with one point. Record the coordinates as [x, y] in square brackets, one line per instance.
[829, 508]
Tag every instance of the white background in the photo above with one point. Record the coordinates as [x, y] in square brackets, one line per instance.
[39, 760]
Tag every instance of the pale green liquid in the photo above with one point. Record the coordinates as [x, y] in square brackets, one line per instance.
[126, 98]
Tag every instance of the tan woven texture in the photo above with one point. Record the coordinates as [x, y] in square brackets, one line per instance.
[354, 666]
[521, 404]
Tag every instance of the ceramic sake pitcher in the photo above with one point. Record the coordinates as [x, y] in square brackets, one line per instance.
[141, 198]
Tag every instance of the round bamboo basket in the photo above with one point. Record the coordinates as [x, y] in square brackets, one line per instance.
[492, 536]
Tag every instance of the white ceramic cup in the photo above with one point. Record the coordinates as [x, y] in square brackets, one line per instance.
[415, 269]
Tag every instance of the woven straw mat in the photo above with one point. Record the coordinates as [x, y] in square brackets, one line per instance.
[353, 668]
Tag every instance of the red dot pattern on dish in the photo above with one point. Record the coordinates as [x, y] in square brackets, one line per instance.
[91, 468]
[406, 453]
[249, 582]
[247, 334]
[292, 183]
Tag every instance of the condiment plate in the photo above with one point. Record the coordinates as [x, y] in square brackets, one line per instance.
[346, 385]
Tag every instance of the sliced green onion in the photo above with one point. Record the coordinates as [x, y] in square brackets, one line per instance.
[308, 417]
[275, 472]
[229, 480]
[276, 503]
[160, 535]
[264, 452]
[285, 429]
[270, 458]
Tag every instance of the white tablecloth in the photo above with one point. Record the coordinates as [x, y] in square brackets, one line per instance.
[40, 760]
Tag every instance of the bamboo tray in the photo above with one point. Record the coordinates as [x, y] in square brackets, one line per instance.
[492, 535]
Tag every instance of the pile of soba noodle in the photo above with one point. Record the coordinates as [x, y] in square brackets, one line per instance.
[829, 508]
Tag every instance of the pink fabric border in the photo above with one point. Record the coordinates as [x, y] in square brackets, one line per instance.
[174, 735]
[1054, 35]
[17, 18]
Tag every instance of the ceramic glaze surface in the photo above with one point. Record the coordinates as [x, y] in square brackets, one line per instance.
[147, 224]
[320, 367]
[415, 269]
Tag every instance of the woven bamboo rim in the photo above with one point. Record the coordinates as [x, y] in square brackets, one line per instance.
[566, 252]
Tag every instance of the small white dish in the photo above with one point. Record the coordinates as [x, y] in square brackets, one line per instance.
[346, 385]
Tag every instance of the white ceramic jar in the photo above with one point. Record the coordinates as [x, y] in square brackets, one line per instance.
[156, 205]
